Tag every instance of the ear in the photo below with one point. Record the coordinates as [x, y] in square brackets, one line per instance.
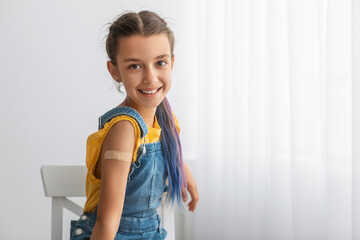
[172, 61]
[113, 71]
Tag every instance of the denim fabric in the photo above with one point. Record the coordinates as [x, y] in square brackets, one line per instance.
[123, 111]
[145, 187]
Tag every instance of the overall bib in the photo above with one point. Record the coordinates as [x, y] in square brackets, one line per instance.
[146, 184]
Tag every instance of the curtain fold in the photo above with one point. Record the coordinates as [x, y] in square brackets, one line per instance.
[274, 108]
[355, 17]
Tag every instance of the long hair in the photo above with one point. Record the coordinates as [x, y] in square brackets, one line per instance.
[171, 146]
[147, 23]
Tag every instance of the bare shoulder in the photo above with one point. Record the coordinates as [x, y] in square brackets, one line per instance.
[121, 136]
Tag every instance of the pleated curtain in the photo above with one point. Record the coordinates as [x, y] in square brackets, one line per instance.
[275, 128]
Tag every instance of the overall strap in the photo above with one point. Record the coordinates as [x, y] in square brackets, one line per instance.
[117, 111]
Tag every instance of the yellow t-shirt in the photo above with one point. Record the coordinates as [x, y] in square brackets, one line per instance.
[93, 150]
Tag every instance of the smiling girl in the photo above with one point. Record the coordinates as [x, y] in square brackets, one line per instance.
[135, 156]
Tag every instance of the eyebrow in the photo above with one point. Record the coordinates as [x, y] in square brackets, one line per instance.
[162, 56]
[138, 60]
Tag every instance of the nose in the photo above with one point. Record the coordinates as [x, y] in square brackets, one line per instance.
[149, 75]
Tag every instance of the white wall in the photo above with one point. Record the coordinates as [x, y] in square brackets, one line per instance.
[53, 87]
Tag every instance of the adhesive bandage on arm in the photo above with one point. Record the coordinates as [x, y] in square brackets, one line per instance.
[118, 155]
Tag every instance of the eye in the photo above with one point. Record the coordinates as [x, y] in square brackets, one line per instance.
[161, 63]
[134, 66]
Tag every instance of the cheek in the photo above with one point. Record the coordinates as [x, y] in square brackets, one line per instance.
[167, 84]
[167, 78]
[130, 80]
[129, 87]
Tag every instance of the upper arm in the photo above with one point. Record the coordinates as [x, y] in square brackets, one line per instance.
[114, 173]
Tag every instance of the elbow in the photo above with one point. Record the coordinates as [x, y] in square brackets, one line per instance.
[108, 225]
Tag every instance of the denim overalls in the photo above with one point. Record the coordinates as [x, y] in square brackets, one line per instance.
[146, 184]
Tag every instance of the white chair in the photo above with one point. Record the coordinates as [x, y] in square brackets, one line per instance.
[61, 182]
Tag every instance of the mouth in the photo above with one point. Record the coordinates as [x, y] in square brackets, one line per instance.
[149, 92]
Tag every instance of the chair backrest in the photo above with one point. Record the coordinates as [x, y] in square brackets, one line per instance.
[61, 182]
[64, 181]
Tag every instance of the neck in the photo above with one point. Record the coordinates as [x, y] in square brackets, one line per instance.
[148, 114]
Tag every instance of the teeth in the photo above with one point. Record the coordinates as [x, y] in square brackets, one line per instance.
[149, 92]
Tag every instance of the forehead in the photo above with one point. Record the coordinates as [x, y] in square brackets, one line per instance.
[143, 47]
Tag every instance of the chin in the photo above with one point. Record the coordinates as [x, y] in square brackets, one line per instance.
[152, 104]
[148, 104]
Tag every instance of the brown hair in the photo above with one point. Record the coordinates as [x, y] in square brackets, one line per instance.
[144, 23]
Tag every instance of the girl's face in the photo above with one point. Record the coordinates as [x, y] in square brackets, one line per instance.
[144, 66]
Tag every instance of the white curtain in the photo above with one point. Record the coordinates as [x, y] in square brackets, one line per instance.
[275, 144]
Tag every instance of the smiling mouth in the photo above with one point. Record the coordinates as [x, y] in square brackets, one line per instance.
[149, 92]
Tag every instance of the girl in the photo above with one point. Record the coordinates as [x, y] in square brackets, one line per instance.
[136, 154]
